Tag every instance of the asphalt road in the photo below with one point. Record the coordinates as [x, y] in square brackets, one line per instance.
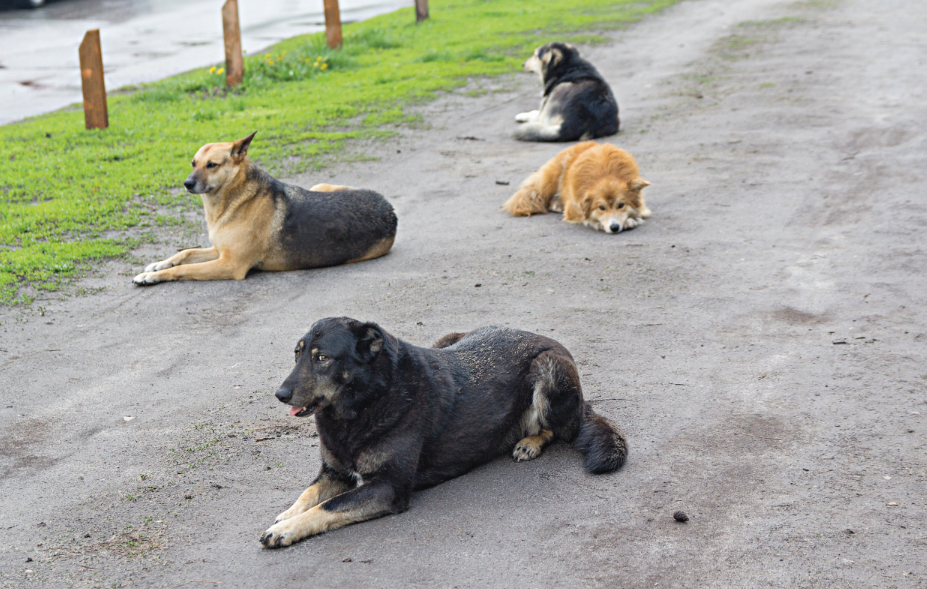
[142, 41]
[761, 340]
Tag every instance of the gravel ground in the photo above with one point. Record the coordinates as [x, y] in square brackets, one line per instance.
[761, 339]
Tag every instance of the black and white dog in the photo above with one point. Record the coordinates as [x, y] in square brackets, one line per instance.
[577, 104]
[393, 417]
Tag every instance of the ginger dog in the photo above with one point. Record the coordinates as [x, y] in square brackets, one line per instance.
[596, 185]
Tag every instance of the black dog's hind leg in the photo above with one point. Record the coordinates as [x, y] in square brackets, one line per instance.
[328, 484]
[448, 340]
[557, 399]
[373, 499]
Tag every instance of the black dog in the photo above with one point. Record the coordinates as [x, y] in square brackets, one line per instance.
[577, 103]
[393, 417]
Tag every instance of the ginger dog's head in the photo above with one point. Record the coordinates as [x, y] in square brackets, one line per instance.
[612, 206]
[217, 165]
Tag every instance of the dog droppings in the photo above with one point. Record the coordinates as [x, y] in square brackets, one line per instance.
[680, 517]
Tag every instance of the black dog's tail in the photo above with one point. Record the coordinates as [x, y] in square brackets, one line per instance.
[603, 445]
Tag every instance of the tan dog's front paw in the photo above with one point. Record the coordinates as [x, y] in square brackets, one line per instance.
[146, 278]
[154, 267]
[280, 535]
[291, 512]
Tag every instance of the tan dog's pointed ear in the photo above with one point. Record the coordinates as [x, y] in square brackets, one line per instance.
[240, 147]
[638, 184]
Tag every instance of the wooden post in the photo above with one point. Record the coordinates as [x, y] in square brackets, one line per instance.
[91, 81]
[332, 24]
[421, 10]
[234, 64]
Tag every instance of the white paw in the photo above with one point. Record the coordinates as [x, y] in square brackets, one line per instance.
[145, 278]
[526, 117]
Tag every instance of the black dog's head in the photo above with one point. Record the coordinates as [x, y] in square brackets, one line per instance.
[551, 59]
[335, 367]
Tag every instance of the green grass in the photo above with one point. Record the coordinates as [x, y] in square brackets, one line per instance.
[69, 197]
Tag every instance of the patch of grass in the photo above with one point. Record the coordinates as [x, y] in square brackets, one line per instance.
[70, 197]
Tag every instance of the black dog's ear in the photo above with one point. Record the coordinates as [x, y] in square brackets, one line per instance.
[240, 147]
[370, 340]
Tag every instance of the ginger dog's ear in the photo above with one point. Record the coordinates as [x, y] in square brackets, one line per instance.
[587, 207]
[240, 147]
[638, 184]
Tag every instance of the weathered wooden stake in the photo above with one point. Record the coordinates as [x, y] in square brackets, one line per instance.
[234, 64]
[421, 10]
[332, 24]
[91, 81]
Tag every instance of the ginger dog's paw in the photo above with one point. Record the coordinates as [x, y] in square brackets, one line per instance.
[145, 279]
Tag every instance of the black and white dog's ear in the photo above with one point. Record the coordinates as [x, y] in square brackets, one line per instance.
[552, 56]
[370, 340]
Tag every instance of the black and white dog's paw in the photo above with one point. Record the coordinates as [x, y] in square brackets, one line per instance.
[526, 117]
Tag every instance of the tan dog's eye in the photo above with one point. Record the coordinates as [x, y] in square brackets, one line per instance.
[601, 207]
[211, 165]
[621, 205]
[193, 164]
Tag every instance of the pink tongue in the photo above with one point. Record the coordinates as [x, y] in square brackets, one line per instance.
[295, 410]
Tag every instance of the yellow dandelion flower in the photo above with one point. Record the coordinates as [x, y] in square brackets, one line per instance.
[319, 58]
[212, 70]
[316, 64]
[221, 70]
[324, 65]
[268, 55]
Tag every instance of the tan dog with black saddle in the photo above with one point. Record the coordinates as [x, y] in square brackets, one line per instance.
[258, 222]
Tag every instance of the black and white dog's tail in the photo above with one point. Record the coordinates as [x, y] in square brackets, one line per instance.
[601, 442]
[538, 132]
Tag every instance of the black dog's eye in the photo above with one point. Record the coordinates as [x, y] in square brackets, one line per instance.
[601, 207]
[321, 358]
[211, 165]
[621, 205]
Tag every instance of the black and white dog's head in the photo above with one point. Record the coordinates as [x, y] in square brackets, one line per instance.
[549, 61]
[336, 366]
